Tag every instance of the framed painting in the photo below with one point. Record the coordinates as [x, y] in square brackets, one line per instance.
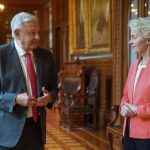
[89, 26]
[78, 22]
[99, 25]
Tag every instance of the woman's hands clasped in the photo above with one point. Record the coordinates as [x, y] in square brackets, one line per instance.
[128, 110]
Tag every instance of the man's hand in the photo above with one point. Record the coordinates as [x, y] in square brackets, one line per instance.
[24, 99]
[46, 98]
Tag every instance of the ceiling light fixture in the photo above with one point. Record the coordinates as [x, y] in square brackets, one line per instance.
[1, 7]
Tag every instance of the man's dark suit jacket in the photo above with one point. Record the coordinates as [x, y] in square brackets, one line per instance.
[12, 82]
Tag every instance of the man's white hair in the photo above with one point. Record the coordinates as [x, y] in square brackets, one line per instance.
[19, 19]
[141, 26]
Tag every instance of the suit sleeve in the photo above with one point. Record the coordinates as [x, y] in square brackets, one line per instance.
[53, 85]
[125, 98]
[7, 101]
[143, 110]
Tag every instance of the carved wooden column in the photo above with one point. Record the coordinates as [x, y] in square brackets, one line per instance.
[60, 31]
[117, 80]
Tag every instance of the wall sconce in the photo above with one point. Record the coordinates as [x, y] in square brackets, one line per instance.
[1, 7]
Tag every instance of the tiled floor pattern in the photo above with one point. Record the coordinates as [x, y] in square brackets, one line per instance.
[59, 139]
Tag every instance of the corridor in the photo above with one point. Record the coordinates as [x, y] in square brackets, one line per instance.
[80, 139]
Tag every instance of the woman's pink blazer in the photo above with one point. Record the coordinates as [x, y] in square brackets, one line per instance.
[140, 124]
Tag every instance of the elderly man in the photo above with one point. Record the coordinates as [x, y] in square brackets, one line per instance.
[27, 84]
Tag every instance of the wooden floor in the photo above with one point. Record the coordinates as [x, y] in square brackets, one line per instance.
[60, 139]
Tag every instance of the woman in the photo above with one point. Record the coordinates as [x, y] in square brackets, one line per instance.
[135, 104]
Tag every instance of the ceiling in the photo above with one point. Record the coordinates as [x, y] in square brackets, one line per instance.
[24, 2]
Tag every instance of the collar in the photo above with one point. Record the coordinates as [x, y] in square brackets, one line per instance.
[21, 51]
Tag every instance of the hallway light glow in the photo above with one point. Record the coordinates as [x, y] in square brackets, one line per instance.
[133, 10]
[132, 5]
[1, 7]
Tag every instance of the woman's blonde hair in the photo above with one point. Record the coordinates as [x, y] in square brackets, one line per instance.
[141, 26]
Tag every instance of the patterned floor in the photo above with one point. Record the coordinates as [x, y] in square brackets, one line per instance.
[60, 139]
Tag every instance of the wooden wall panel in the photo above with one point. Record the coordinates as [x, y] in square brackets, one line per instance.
[61, 51]
[60, 31]
[104, 66]
[7, 15]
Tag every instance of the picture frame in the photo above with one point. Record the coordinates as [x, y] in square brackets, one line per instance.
[89, 27]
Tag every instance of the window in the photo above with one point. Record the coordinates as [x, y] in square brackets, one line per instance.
[133, 13]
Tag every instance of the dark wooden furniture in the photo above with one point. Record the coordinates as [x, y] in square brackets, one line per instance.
[91, 100]
[114, 130]
[71, 86]
[78, 104]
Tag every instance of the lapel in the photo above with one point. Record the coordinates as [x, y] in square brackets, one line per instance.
[133, 74]
[143, 81]
[14, 60]
[38, 71]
